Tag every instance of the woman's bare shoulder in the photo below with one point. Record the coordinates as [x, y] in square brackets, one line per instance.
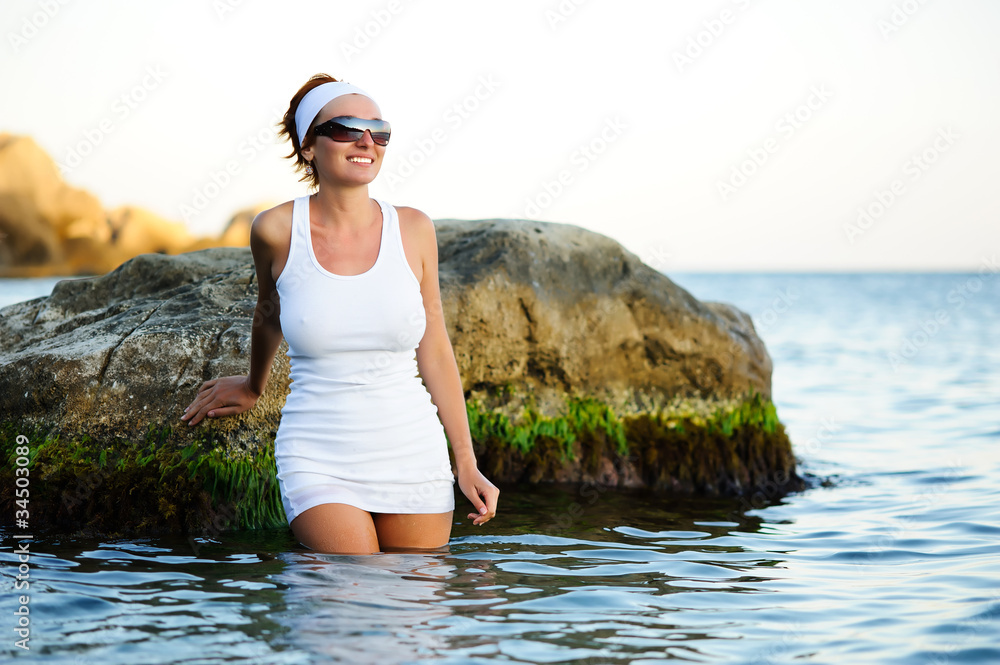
[415, 221]
[273, 226]
[419, 239]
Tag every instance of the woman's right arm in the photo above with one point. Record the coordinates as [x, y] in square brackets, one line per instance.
[230, 395]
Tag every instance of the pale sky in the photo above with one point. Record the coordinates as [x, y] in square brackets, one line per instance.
[704, 136]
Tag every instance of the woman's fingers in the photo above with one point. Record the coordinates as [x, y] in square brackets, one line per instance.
[219, 412]
[206, 411]
[204, 393]
[481, 518]
[482, 493]
[217, 398]
[195, 406]
[490, 494]
[207, 388]
[195, 416]
[198, 408]
[195, 402]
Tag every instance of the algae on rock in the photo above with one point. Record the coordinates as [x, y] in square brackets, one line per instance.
[159, 485]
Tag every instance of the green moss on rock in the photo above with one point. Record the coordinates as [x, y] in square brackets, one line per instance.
[717, 448]
[118, 487]
[161, 484]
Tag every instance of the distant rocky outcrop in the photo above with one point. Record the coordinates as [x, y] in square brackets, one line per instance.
[48, 227]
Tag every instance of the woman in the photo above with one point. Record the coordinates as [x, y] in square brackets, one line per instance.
[352, 285]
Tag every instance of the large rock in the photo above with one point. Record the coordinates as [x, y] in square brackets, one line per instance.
[567, 344]
[555, 308]
[539, 310]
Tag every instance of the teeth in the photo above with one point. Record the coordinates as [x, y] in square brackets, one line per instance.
[360, 160]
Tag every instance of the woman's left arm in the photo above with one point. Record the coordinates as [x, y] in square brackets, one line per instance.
[439, 370]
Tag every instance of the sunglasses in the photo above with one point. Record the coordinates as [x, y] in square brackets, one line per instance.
[347, 129]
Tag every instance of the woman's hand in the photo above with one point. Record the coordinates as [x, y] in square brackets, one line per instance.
[475, 485]
[227, 396]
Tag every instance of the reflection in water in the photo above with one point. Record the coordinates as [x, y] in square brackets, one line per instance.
[364, 609]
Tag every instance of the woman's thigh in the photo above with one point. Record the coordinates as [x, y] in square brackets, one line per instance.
[402, 532]
[336, 528]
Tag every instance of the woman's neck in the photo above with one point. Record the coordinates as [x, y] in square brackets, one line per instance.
[343, 208]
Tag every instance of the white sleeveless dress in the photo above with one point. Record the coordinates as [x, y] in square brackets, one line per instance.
[358, 426]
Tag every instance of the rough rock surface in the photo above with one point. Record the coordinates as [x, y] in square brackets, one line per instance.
[555, 308]
[544, 309]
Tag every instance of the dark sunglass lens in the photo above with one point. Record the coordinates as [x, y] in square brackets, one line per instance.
[352, 129]
[339, 132]
[336, 131]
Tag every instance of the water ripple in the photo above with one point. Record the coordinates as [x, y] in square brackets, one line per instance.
[896, 561]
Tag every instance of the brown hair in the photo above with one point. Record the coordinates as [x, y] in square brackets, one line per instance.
[290, 131]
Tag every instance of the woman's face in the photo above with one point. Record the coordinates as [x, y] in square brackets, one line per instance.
[346, 163]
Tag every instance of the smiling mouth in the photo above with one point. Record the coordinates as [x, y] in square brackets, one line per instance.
[360, 160]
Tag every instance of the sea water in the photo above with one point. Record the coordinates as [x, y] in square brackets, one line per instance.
[889, 386]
